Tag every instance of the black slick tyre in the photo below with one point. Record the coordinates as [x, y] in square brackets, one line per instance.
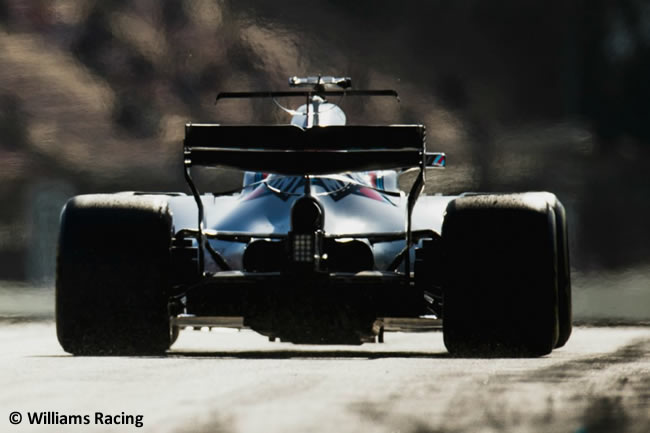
[500, 294]
[112, 281]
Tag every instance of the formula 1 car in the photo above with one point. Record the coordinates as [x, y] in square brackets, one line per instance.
[319, 246]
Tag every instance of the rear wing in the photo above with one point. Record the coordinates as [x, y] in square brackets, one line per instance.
[294, 151]
[291, 150]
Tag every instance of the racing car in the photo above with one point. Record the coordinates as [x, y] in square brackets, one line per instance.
[318, 246]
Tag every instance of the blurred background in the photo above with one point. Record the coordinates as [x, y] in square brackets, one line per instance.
[522, 95]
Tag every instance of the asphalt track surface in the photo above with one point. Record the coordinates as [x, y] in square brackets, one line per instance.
[237, 381]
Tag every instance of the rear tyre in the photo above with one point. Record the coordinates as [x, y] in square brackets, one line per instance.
[500, 296]
[112, 277]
